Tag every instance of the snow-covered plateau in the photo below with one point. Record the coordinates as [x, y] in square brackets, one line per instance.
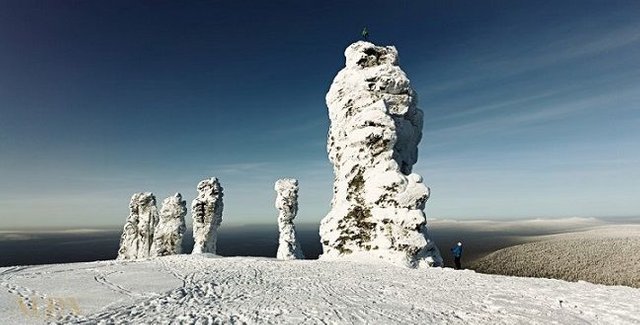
[207, 289]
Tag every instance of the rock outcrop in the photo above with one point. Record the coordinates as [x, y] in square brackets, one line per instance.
[167, 238]
[378, 203]
[287, 205]
[206, 210]
[137, 236]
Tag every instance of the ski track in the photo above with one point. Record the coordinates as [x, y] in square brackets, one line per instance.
[265, 291]
[102, 278]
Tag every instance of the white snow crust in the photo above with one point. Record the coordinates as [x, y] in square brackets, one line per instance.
[206, 289]
[378, 203]
[287, 205]
[206, 210]
[137, 235]
[167, 237]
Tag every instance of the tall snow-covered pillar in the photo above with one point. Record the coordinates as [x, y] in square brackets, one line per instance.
[137, 236]
[377, 207]
[147, 221]
[287, 205]
[168, 233]
[206, 210]
[128, 249]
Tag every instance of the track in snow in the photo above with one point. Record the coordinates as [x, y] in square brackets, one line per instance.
[199, 289]
[265, 291]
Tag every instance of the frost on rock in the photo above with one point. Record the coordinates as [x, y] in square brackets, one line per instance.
[168, 233]
[287, 205]
[378, 203]
[206, 210]
[137, 236]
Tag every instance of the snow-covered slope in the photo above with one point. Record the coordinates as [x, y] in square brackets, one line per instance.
[606, 254]
[206, 289]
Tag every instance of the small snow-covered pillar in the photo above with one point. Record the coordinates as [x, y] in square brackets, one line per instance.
[206, 210]
[287, 205]
[171, 227]
[137, 235]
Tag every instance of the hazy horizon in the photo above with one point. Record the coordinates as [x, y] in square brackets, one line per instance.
[480, 237]
[310, 224]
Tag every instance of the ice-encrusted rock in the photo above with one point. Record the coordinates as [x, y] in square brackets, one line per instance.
[206, 210]
[128, 249]
[167, 238]
[137, 235]
[287, 205]
[378, 203]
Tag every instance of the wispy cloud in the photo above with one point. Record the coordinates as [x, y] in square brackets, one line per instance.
[551, 49]
[514, 121]
[509, 103]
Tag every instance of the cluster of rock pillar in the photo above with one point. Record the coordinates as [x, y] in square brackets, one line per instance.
[377, 210]
[149, 233]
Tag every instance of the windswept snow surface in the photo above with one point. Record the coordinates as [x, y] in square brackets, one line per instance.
[202, 289]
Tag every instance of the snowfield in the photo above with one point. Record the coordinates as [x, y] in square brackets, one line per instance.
[204, 289]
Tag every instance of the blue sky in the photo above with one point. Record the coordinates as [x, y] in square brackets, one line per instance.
[531, 108]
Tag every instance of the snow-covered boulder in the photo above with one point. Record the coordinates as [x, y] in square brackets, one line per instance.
[168, 234]
[137, 236]
[378, 203]
[287, 205]
[206, 210]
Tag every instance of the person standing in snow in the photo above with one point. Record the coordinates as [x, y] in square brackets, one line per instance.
[457, 254]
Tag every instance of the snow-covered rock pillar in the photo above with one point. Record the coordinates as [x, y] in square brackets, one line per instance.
[128, 249]
[147, 221]
[378, 203]
[287, 205]
[206, 210]
[137, 236]
[168, 234]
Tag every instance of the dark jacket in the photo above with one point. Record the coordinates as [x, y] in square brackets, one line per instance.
[457, 251]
